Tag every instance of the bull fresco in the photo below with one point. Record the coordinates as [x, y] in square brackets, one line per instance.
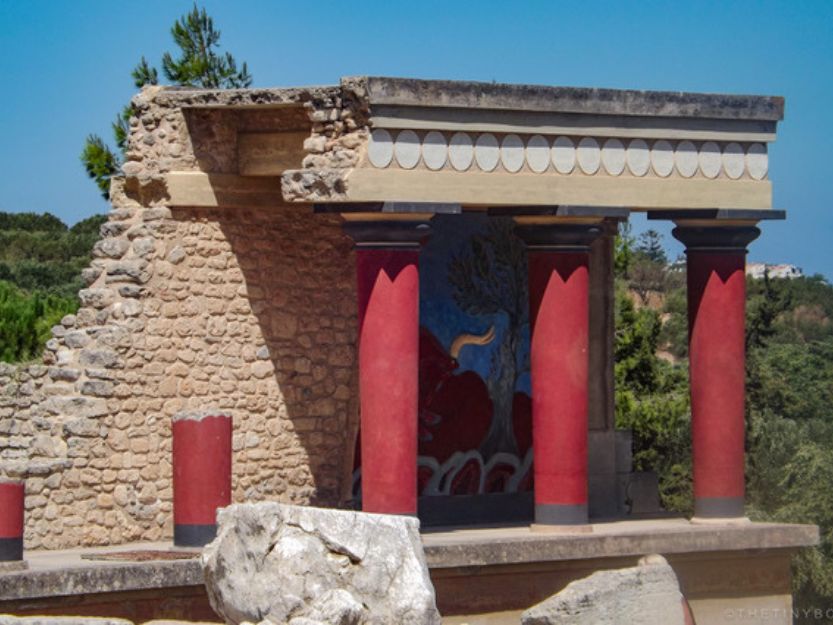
[474, 388]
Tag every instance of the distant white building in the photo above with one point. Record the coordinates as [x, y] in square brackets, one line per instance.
[758, 270]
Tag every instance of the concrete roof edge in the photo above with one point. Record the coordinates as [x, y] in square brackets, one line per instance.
[469, 94]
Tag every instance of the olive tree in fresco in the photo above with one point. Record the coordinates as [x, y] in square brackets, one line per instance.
[489, 280]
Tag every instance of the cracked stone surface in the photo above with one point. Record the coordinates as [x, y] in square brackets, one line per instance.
[301, 565]
[648, 594]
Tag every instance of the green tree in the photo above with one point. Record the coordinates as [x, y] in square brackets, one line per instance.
[25, 321]
[198, 65]
[650, 246]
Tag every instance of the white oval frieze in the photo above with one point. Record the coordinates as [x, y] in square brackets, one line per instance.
[563, 155]
[662, 158]
[685, 159]
[538, 154]
[460, 151]
[733, 158]
[512, 153]
[757, 161]
[380, 148]
[710, 159]
[613, 157]
[486, 152]
[588, 155]
[407, 149]
[638, 157]
[434, 150]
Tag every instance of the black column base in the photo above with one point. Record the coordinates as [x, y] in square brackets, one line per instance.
[11, 549]
[719, 507]
[194, 535]
[561, 514]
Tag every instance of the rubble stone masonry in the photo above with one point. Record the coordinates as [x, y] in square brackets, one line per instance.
[249, 311]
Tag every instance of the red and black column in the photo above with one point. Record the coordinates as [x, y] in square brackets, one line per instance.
[387, 262]
[716, 260]
[201, 475]
[11, 520]
[559, 260]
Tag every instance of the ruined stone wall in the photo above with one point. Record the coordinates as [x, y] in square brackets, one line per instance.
[247, 311]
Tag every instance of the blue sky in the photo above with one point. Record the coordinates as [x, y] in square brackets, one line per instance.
[65, 70]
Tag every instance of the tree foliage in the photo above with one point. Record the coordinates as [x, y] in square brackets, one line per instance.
[198, 65]
[40, 274]
[25, 321]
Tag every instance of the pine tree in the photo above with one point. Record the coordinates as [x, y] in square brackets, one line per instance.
[199, 65]
[650, 246]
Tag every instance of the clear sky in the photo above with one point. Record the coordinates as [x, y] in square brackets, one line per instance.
[65, 71]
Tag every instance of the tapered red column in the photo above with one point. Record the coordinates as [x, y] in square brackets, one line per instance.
[716, 316]
[559, 257]
[11, 520]
[201, 475]
[387, 260]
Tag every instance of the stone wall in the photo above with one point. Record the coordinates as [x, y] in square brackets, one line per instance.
[248, 311]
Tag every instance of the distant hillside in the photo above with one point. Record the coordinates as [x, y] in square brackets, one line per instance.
[41, 259]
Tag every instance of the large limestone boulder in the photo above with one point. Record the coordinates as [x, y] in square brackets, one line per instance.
[303, 566]
[647, 594]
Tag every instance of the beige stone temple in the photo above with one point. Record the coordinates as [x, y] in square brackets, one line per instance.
[226, 281]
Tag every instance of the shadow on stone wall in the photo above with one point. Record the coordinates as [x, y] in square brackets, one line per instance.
[297, 413]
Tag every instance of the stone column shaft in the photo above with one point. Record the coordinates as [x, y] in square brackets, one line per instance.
[11, 520]
[201, 475]
[559, 258]
[387, 261]
[716, 314]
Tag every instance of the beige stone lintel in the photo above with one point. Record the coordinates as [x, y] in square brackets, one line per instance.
[496, 189]
[386, 216]
[714, 223]
[542, 220]
[199, 189]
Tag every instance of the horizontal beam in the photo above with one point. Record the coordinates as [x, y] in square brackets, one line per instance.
[719, 214]
[498, 189]
[607, 212]
[389, 207]
[201, 190]
[571, 124]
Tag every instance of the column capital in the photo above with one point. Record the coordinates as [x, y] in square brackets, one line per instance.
[559, 237]
[717, 238]
[388, 234]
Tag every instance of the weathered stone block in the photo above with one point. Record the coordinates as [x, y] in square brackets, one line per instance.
[128, 271]
[96, 298]
[648, 594]
[276, 562]
[111, 248]
[77, 339]
[106, 358]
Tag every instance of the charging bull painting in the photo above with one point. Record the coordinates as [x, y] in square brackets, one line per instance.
[474, 405]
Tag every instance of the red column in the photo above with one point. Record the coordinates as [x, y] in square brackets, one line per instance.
[559, 315]
[717, 315]
[11, 520]
[201, 475]
[387, 261]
